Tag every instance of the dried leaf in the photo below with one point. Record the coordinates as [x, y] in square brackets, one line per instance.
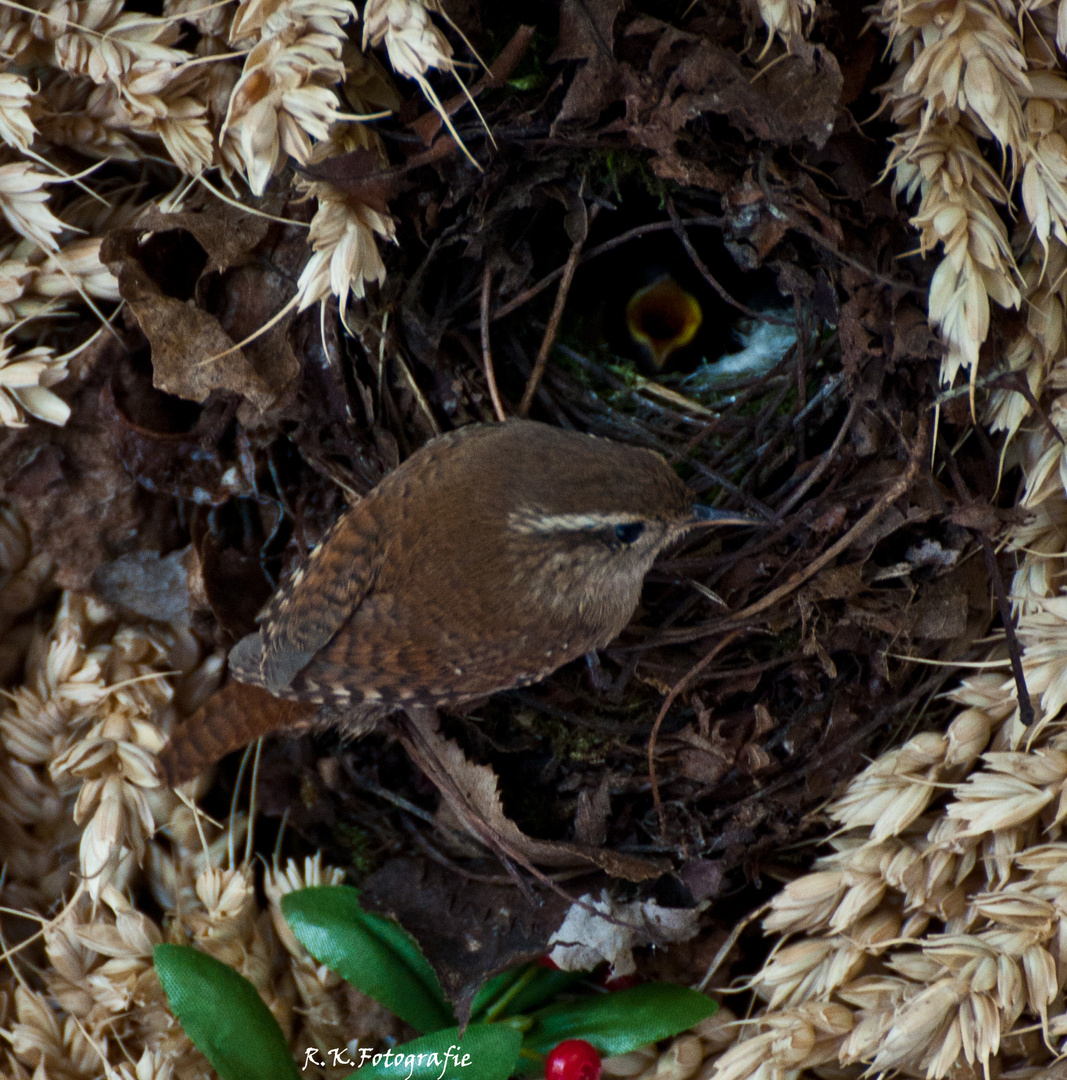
[147, 584]
[586, 32]
[468, 929]
[472, 793]
[187, 465]
[227, 235]
[192, 355]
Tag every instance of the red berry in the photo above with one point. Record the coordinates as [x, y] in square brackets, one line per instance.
[546, 961]
[573, 1059]
[621, 982]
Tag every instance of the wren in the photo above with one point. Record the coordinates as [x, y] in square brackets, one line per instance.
[487, 560]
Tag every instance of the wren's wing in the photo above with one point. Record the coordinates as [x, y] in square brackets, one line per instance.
[306, 612]
[397, 650]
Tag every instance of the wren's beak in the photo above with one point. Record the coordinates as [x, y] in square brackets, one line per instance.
[708, 515]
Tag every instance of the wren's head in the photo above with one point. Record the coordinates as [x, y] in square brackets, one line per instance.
[580, 520]
[605, 541]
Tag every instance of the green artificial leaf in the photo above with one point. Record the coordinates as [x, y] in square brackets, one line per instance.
[223, 1015]
[520, 990]
[374, 954]
[492, 990]
[619, 1023]
[544, 986]
[484, 1052]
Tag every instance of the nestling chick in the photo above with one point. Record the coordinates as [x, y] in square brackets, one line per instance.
[662, 318]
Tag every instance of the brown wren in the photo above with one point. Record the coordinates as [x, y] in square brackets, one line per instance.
[491, 557]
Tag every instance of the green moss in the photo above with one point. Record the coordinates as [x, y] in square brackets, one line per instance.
[624, 167]
[532, 72]
[568, 742]
[357, 846]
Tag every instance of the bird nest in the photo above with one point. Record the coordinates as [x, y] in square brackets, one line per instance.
[654, 232]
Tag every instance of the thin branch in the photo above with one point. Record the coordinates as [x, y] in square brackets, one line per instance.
[552, 329]
[487, 353]
[527, 295]
[681, 685]
[679, 230]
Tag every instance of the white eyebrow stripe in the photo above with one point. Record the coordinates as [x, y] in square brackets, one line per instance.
[536, 523]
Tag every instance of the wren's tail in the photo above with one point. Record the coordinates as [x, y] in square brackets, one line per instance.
[228, 720]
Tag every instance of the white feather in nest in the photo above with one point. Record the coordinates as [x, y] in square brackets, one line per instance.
[763, 346]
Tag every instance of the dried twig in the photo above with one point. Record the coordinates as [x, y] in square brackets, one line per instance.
[487, 354]
[557, 314]
[890, 495]
[527, 295]
[681, 685]
[824, 462]
[680, 231]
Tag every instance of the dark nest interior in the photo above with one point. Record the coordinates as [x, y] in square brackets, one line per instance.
[638, 170]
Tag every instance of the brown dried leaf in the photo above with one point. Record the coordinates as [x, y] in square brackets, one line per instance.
[469, 929]
[837, 583]
[702, 877]
[80, 504]
[473, 795]
[797, 97]
[703, 758]
[359, 175]
[227, 235]
[186, 465]
[885, 526]
[586, 32]
[940, 616]
[192, 354]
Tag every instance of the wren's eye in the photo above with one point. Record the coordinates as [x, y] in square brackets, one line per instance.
[628, 533]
